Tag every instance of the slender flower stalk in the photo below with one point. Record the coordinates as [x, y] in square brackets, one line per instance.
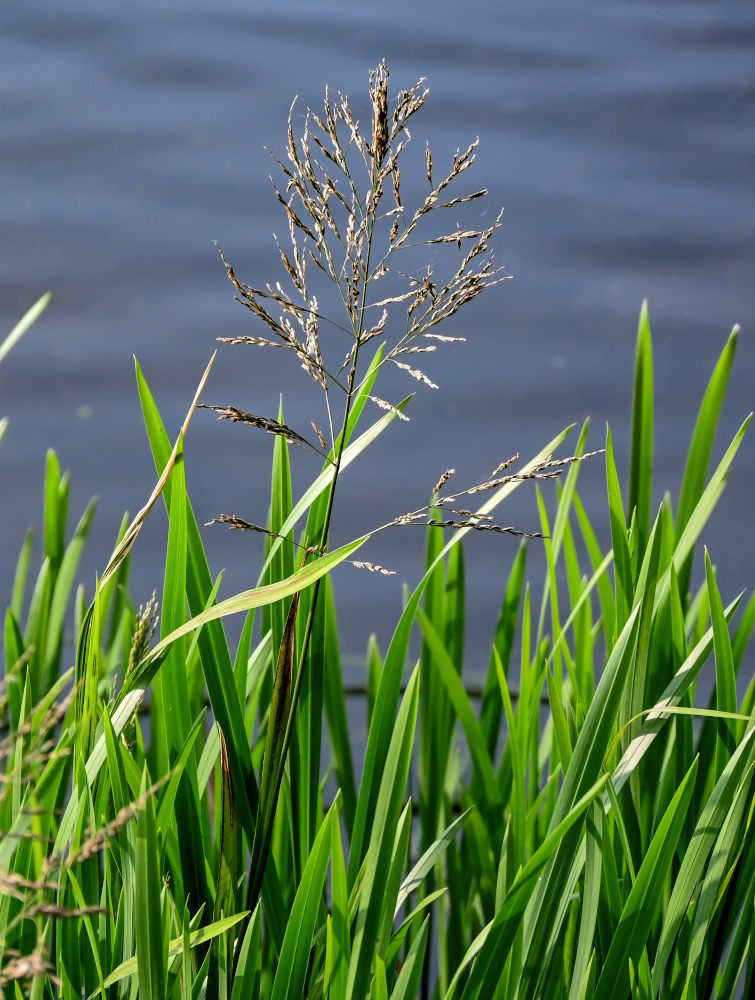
[337, 183]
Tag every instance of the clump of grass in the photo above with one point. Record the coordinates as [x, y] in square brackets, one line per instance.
[579, 826]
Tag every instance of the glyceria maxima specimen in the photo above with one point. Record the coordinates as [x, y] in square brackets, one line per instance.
[349, 232]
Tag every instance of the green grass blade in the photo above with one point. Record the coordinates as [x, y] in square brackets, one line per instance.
[490, 713]
[590, 900]
[459, 698]
[729, 843]
[644, 899]
[384, 714]
[293, 961]
[340, 950]
[61, 594]
[229, 874]
[605, 592]
[197, 938]
[335, 710]
[215, 657]
[622, 564]
[166, 809]
[587, 759]
[387, 810]
[149, 925]
[414, 879]
[408, 980]
[701, 445]
[641, 457]
[26, 321]
[701, 843]
[391, 881]
[274, 757]
[246, 983]
[172, 681]
[494, 947]
[323, 481]
[726, 681]
[54, 512]
[699, 516]
[672, 695]
[20, 577]
[35, 633]
[257, 597]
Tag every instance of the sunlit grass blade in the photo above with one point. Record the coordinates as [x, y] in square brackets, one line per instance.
[622, 566]
[690, 873]
[491, 710]
[698, 518]
[293, 962]
[323, 481]
[491, 948]
[643, 901]
[587, 758]
[387, 809]
[457, 694]
[408, 979]
[197, 938]
[226, 886]
[26, 321]
[729, 843]
[149, 936]
[701, 445]
[384, 714]
[335, 710]
[641, 456]
[415, 877]
[256, 598]
[726, 681]
[245, 985]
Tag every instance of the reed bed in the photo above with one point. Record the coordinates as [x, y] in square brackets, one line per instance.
[580, 827]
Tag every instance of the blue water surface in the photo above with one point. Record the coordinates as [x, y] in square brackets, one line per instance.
[617, 135]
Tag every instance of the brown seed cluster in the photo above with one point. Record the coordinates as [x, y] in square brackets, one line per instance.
[341, 232]
[274, 427]
[348, 228]
[373, 567]
[426, 516]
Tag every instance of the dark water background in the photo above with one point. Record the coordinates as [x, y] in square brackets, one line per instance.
[618, 136]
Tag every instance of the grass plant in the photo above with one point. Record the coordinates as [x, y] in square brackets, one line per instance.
[580, 828]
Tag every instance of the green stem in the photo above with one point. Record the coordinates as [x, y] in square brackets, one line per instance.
[261, 844]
